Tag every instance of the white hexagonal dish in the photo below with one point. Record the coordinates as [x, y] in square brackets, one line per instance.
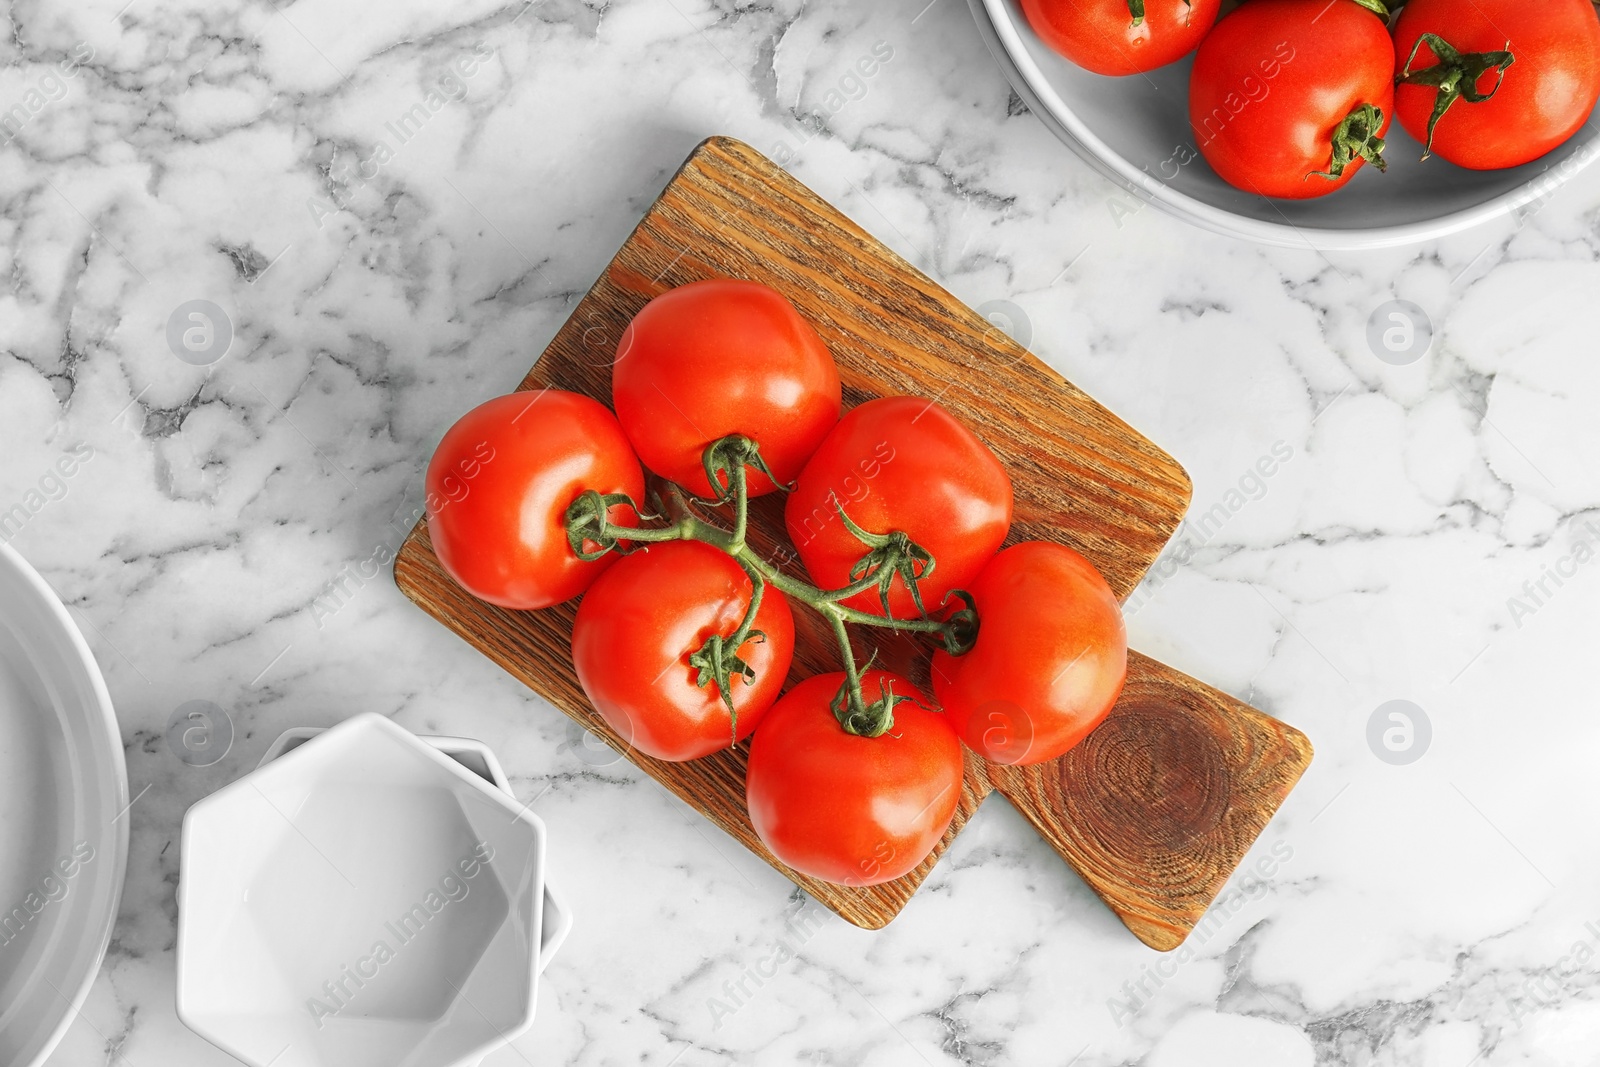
[478, 758]
[363, 900]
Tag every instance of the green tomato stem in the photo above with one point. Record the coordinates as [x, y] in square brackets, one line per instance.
[1454, 77]
[651, 535]
[852, 677]
[825, 601]
[1356, 137]
[758, 588]
[741, 509]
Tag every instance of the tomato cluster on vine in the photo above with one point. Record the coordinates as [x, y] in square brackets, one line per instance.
[685, 635]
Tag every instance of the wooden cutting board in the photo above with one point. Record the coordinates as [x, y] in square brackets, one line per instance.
[1156, 808]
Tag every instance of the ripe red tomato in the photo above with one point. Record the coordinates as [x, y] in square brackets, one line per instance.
[847, 809]
[714, 358]
[1050, 658]
[1533, 67]
[1121, 36]
[1289, 98]
[498, 488]
[639, 624]
[900, 463]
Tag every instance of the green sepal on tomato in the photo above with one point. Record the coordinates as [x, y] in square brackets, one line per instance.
[639, 626]
[498, 488]
[1120, 37]
[1290, 98]
[1488, 84]
[852, 810]
[712, 359]
[1049, 661]
[899, 465]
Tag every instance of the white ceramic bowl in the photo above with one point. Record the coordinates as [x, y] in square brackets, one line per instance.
[478, 758]
[1135, 131]
[63, 816]
[362, 901]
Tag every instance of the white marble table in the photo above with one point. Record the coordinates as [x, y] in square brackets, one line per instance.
[384, 267]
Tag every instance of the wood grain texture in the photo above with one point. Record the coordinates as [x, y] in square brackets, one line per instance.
[1157, 807]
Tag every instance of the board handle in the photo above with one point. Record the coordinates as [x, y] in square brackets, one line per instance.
[1158, 805]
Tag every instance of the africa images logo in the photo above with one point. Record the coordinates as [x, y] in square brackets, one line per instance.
[53, 887]
[453, 887]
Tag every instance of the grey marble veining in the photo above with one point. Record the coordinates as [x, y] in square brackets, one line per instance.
[395, 206]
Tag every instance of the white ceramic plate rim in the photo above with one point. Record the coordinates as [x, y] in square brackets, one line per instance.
[93, 939]
[999, 30]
